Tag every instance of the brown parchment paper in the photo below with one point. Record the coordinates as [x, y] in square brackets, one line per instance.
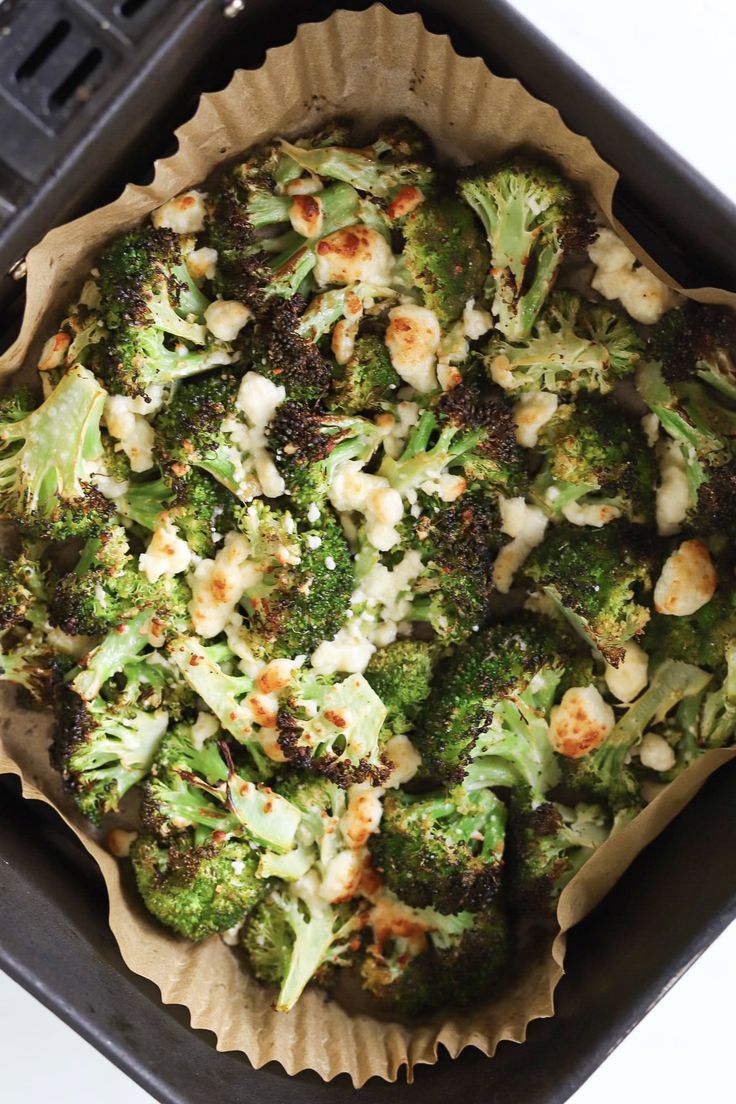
[371, 65]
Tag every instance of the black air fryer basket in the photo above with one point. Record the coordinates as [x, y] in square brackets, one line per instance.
[90, 93]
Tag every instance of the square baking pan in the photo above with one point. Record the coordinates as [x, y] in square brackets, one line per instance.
[54, 937]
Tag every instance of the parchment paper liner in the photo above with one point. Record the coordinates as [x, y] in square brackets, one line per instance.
[372, 65]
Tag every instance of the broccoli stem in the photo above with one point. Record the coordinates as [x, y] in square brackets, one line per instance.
[127, 640]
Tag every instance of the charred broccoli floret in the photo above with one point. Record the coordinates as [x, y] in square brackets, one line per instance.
[533, 219]
[496, 462]
[574, 346]
[700, 638]
[596, 465]
[601, 773]
[446, 256]
[298, 604]
[46, 454]
[401, 675]
[276, 348]
[421, 959]
[148, 298]
[102, 750]
[478, 708]
[547, 844]
[332, 728]
[309, 446]
[368, 378]
[197, 890]
[26, 658]
[594, 577]
[457, 545]
[391, 163]
[106, 588]
[293, 934]
[443, 849]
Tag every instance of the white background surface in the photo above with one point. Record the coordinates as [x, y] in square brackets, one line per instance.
[672, 63]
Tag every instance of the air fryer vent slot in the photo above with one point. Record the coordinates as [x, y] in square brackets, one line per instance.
[73, 84]
[130, 8]
[43, 51]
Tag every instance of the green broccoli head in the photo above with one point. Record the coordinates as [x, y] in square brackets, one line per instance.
[596, 466]
[102, 750]
[309, 445]
[421, 959]
[497, 665]
[446, 256]
[533, 219]
[46, 455]
[700, 638]
[171, 802]
[106, 588]
[442, 849]
[275, 347]
[600, 772]
[496, 462]
[547, 844]
[294, 934]
[197, 890]
[595, 577]
[401, 675]
[698, 339]
[574, 346]
[394, 161]
[457, 544]
[368, 378]
[332, 728]
[22, 590]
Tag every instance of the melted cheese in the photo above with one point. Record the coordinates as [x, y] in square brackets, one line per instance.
[581, 722]
[341, 877]
[184, 214]
[593, 513]
[167, 553]
[218, 585]
[526, 525]
[205, 728]
[405, 758]
[349, 650]
[655, 753]
[628, 680]
[644, 296]
[362, 817]
[673, 492]
[306, 214]
[258, 399]
[412, 339]
[202, 263]
[353, 254]
[225, 318]
[372, 496]
[531, 413]
[687, 582]
[131, 429]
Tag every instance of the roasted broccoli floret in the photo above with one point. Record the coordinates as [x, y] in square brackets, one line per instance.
[692, 413]
[106, 588]
[298, 604]
[401, 675]
[489, 701]
[421, 959]
[597, 465]
[368, 378]
[277, 349]
[574, 346]
[171, 802]
[701, 638]
[148, 298]
[457, 544]
[332, 728]
[293, 933]
[547, 844]
[46, 455]
[699, 339]
[102, 750]
[309, 446]
[533, 219]
[197, 890]
[595, 577]
[26, 658]
[496, 462]
[391, 163]
[601, 773]
[443, 849]
[446, 255]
